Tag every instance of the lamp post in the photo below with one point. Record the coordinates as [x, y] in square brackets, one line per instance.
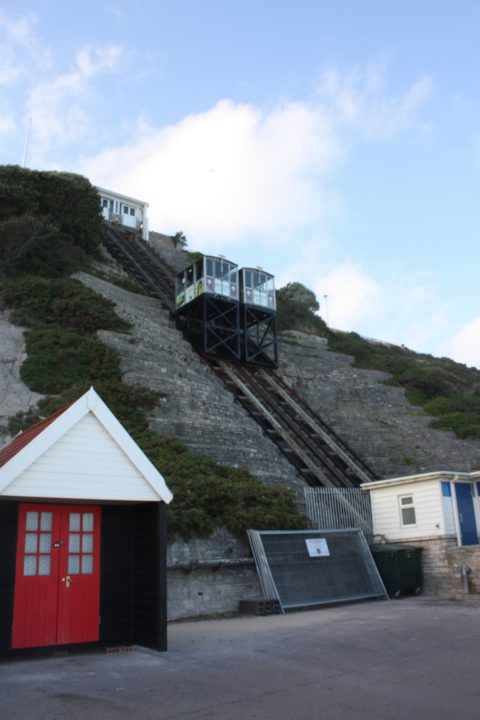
[325, 297]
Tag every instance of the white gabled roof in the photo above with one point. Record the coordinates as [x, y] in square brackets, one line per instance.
[80, 452]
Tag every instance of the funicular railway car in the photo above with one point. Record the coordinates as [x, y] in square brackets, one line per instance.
[207, 306]
[227, 312]
[125, 211]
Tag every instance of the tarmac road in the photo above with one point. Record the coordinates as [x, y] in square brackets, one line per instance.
[408, 658]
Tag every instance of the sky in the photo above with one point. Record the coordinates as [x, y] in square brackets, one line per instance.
[334, 143]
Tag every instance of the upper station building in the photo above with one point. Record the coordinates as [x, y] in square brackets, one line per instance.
[125, 211]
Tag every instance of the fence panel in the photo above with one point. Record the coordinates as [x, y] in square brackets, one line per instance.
[340, 508]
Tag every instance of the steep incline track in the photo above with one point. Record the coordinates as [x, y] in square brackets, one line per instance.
[311, 445]
[141, 262]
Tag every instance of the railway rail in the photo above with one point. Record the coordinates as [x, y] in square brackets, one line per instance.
[311, 446]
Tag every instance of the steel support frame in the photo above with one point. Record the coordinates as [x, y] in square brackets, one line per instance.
[259, 329]
[212, 323]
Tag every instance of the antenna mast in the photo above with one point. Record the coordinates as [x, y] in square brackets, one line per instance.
[27, 143]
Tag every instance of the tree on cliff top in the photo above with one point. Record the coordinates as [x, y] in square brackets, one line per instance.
[296, 309]
[50, 222]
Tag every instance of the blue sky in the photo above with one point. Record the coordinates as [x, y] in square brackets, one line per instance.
[332, 142]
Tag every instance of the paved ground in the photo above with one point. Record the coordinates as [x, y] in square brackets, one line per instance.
[410, 658]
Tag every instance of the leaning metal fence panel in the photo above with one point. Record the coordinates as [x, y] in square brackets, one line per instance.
[340, 508]
[304, 568]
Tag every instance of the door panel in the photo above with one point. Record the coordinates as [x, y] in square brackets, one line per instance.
[57, 580]
[36, 578]
[79, 586]
[466, 514]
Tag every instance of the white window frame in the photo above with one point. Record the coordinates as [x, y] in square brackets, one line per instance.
[409, 506]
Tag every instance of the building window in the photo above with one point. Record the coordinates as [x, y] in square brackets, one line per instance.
[125, 209]
[407, 510]
[104, 202]
[132, 211]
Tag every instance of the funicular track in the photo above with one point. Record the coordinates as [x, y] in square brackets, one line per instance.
[142, 263]
[311, 446]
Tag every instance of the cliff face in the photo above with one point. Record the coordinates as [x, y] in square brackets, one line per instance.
[196, 407]
[374, 419]
[14, 395]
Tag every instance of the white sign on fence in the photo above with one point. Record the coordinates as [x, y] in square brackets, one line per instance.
[317, 547]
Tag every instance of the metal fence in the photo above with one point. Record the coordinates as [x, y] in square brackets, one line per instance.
[340, 508]
[302, 568]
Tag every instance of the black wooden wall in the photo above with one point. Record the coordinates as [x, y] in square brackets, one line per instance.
[116, 575]
[8, 549]
[149, 576]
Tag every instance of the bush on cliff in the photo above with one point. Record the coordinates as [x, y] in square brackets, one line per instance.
[50, 222]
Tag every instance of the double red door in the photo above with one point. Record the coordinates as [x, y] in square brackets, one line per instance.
[57, 583]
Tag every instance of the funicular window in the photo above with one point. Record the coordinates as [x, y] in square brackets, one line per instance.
[199, 284]
[258, 288]
[189, 284]
[180, 290]
[221, 277]
[271, 299]
[208, 275]
[233, 277]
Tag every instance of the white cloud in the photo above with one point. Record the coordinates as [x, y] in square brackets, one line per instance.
[60, 103]
[61, 107]
[19, 48]
[230, 172]
[359, 98]
[465, 346]
[7, 124]
[237, 172]
[352, 296]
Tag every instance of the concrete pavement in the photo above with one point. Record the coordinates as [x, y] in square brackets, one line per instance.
[410, 658]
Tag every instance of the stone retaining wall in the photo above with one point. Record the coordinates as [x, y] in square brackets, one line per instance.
[205, 591]
[442, 560]
[209, 576]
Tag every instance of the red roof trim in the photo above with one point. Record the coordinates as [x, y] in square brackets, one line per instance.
[24, 438]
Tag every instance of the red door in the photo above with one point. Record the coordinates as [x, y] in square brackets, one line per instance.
[57, 583]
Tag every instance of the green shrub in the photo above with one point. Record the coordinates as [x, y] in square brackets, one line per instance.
[50, 222]
[40, 301]
[58, 359]
[463, 424]
[296, 308]
[209, 495]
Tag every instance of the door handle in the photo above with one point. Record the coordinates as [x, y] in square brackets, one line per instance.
[67, 580]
